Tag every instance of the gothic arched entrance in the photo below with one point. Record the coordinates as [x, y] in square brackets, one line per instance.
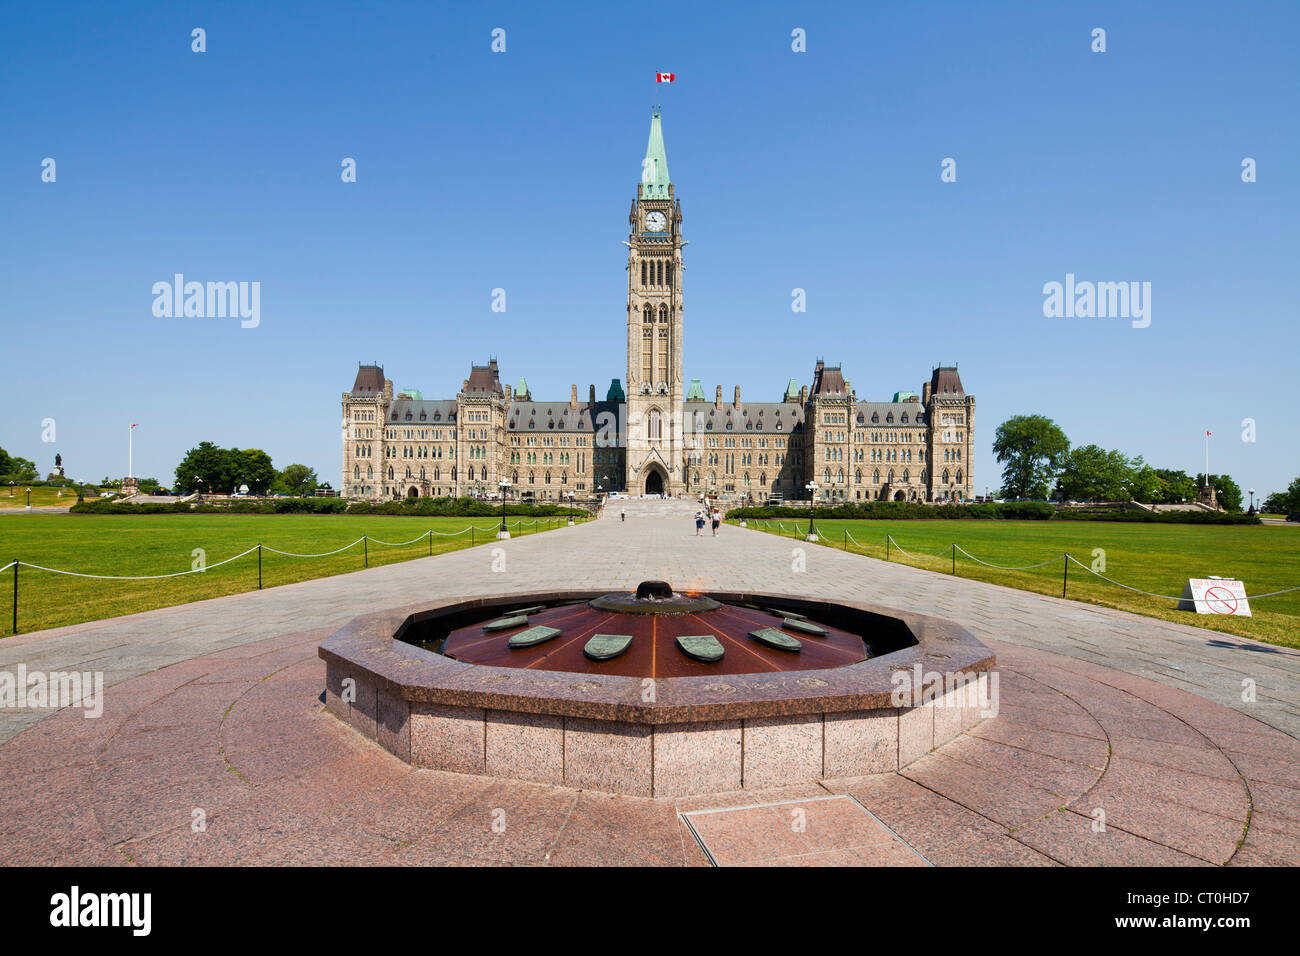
[654, 482]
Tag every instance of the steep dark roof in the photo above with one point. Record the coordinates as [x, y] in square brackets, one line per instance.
[888, 413]
[422, 412]
[945, 381]
[370, 378]
[484, 379]
[559, 416]
[769, 418]
[828, 380]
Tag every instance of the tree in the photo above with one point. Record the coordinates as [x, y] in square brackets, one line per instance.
[204, 467]
[296, 480]
[1178, 486]
[1147, 486]
[1226, 490]
[252, 467]
[4, 462]
[20, 469]
[1284, 502]
[1091, 473]
[1030, 449]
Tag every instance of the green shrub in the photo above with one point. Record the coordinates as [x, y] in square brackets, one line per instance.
[894, 510]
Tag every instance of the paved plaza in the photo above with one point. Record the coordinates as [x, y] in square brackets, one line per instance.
[1120, 739]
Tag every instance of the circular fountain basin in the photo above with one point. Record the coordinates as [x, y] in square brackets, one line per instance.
[628, 693]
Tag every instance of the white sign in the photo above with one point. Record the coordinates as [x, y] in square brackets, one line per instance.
[1215, 596]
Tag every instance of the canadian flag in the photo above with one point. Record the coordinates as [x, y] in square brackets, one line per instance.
[135, 426]
[1207, 434]
[665, 77]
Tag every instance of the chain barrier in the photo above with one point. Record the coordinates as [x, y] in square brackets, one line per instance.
[1029, 567]
[259, 548]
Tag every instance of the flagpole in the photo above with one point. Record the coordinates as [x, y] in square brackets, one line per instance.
[130, 452]
[1207, 458]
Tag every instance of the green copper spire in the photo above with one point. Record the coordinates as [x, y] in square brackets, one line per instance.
[696, 392]
[654, 171]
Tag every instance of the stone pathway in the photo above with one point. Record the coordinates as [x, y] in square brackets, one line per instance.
[1113, 745]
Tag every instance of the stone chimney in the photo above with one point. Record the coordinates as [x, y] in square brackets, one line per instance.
[507, 388]
[592, 395]
[388, 391]
[803, 394]
[573, 396]
[925, 393]
[737, 396]
[717, 401]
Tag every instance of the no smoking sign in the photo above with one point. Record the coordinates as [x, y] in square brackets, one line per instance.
[1215, 596]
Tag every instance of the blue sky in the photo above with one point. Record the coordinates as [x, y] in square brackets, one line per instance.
[817, 170]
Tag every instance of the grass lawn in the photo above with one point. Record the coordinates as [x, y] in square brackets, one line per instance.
[1153, 557]
[42, 497]
[164, 544]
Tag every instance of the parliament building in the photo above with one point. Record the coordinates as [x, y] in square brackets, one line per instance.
[660, 436]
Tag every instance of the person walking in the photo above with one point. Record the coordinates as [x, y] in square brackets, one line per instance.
[622, 514]
[699, 524]
[717, 520]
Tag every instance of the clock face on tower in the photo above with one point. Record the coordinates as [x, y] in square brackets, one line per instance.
[656, 221]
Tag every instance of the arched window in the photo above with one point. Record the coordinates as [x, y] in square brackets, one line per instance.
[663, 315]
[959, 476]
[875, 477]
[826, 477]
[655, 425]
[643, 270]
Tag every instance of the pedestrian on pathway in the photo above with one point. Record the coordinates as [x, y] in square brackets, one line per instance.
[717, 520]
[699, 524]
[622, 514]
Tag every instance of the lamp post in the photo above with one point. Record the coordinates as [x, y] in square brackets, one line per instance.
[11, 489]
[812, 503]
[504, 533]
[1252, 500]
[29, 499]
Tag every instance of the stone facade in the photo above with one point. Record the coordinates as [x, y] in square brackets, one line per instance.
[658, 437]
